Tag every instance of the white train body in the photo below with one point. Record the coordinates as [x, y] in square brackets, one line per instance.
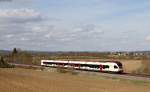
[107, 66]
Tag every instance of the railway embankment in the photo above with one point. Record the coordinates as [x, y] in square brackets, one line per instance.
[126, 76]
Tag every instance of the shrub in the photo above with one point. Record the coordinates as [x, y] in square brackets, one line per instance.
[4, 64]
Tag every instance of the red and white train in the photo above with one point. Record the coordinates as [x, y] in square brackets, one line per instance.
[105, 66]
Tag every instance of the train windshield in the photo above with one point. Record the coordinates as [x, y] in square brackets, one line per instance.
[119, 64]
[115, 67]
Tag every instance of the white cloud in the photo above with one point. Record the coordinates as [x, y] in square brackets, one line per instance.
[19, 16]
[37, 29]
[9, 35]
[24, 39]
[16, 25]
[147, 38]
[21, 13]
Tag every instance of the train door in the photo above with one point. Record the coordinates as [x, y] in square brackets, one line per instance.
[101, 67]
[60, 65]
[72, 65]
[76, 66]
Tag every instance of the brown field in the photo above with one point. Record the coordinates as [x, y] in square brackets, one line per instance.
[28, 80]
[131, 65]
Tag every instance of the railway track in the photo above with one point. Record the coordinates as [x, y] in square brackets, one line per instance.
[128, 76]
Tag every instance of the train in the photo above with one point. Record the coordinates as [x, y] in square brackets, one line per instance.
[101, 66]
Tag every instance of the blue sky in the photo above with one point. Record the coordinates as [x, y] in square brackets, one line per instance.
[75, 25]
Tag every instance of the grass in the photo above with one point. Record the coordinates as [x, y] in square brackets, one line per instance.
[144, 69]
[28, 80]
[92, 75]
[136, 82]
[68, 70]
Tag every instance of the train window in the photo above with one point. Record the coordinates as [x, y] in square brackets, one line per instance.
[115, 66]
[105, 66]
[55, 63]
[94, 66]
[88, 65]
[47, 62]
[84, 65]
[65, 64]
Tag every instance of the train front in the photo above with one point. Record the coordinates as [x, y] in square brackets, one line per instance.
[118, 67]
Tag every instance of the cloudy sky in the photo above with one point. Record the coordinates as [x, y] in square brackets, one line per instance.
[75, 25]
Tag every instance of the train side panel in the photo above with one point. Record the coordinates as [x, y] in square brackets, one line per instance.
[82, 65]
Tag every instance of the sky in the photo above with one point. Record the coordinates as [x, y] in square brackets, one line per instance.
[75, 25]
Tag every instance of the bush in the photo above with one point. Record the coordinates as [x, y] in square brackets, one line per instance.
[4, 64]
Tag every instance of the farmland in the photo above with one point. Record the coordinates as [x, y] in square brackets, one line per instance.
[28, 80]
[138, 64]
[31, 80]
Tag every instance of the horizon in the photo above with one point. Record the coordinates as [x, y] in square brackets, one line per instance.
[72, 51]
